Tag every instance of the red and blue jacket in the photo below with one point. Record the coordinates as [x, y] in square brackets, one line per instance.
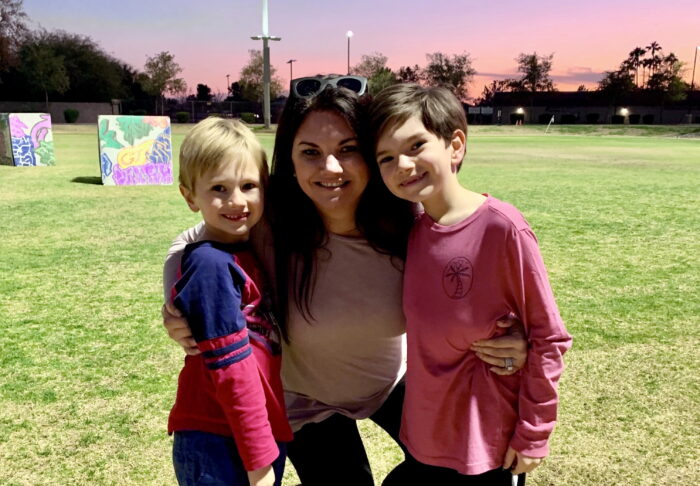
[233, 387]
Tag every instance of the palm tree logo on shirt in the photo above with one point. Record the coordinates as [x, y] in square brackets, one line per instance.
[457, 278]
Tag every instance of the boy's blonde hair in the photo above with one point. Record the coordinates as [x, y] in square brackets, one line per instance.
[215, 141]
[438, 109]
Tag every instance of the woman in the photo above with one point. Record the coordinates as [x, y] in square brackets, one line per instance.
[339, 243]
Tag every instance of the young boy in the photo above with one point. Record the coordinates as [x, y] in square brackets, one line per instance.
[471, 260]
[229, 419]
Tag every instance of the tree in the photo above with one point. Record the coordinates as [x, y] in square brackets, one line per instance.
[235, 92]
[490, 90]
[12, 32]
[617, 83]
[647, 63]
[374, 68]
[535, 73]
[634, 62]
[203, 93]
[654, 62]
[370, 64]
[162, 71]
[454, 72]
[94, 75]
[251, 78]
[667, 80]
[133, 83]
[410, 74]
[44, 69]
[381, 79]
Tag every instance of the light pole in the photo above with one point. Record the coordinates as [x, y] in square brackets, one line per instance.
[290, 62]
[265, 37]
[349, 33]
[695, 60]
[228, 84]
[692, 87]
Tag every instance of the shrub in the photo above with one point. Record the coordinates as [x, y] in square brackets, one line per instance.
[544, 118]
[618, 119]
[138, 113]
[182, 116]
[648, 119]
[592, 118]
[568, 119]
[71, 115]
[634, 119]
[249, 117]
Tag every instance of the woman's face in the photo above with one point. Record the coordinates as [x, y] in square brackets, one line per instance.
[330, 169]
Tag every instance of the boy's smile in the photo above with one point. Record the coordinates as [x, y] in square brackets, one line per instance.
[414, 180]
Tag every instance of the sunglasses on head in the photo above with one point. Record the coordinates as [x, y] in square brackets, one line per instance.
[307, 87]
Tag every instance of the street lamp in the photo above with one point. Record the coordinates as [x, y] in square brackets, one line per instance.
[228, 84]
[692, 87]
[695, 60]
[349, 33]
[290, 62]
[265, 37]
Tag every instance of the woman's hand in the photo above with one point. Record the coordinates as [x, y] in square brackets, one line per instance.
[519, 463]
[508, 353]
[178, 329]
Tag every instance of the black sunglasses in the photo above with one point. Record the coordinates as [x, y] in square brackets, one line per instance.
[307, 87]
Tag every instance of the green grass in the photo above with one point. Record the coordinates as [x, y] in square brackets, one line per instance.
[87, 374]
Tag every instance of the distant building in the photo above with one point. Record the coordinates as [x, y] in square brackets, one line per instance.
[589, 107]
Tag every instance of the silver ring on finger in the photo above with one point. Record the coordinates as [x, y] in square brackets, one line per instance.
[508, 364]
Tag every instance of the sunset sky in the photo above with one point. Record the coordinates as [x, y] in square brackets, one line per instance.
[211, 39]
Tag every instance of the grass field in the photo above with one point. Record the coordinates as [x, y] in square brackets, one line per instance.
[87, 373]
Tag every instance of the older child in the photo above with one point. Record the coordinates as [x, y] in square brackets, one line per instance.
[229, 419]
[471, 260]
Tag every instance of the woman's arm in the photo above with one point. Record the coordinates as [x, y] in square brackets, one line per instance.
[498, 351]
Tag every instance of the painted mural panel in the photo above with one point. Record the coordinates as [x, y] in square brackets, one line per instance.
[135, 150]
[30, 139]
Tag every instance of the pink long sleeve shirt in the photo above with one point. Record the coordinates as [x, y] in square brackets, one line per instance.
[459, 280]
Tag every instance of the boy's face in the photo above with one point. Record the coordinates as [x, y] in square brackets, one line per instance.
[416, 164]
[230, 199]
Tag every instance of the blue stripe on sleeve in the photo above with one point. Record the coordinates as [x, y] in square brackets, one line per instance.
[229, 361]
[226, 349]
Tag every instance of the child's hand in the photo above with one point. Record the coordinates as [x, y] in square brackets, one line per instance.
[178, 329]
[518, 463]
[265, 476]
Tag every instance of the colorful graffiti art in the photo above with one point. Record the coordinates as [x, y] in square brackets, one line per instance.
[135, 150]
[30, 139]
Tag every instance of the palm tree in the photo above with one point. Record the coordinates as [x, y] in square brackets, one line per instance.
[635, 56]
[653, 47]
[646, 63]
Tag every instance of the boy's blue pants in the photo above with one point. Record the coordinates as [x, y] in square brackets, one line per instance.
[204, 459]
